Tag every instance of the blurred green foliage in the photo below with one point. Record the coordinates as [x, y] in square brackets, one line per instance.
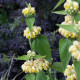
[3, 16]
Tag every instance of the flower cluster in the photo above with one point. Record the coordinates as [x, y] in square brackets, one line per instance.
[28, 12]
[68, 19]
[34, 66]
[31, 54]
[71, 7]
[70, 73]
[36, 31]
[66, 33]
[75, 50]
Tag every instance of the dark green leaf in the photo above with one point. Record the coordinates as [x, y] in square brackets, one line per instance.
[63, 12]
[65, 56]
[30, 77]
[41, 45]
[77, 68]
[57, 66]
[59, 3]
[70, 28]
[41, 76]
[24, 57]
[77, 17]
[38, 56]
[30, 22]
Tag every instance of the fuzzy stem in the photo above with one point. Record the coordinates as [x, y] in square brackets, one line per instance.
[30, 43]
[55, 75]
[72, 21]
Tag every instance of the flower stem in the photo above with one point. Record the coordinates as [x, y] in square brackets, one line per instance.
[30, 43]
[55, 75]
[72, 21]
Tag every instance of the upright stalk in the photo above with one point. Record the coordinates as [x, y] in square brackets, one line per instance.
[72, 20]
[55, 75]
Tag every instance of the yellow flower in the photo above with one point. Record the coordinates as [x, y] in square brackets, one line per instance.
[76, 5]
[39, 29]
[76, 44]
[24, 68]
[67, 18]
[68, 78]
[29, 11]
[35, 32]
[34, 66]
[73, 35]
[75, 50]
[70, 73]
[65, 32]
[71, 7]
[33, 69]
[25, 11]
[33, 10]
[31, 54]
[67, 4]
[78, 57]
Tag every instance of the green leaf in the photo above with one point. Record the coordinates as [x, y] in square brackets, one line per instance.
[65, 56]
[77, 68]
[41, 45]
[77, 17]
[26, 3]
[58, 4]
[41, 76]
[5, 58]
[30, 77]
[57, 66]
[24, 57]
[38, 56]
[76, 0]
[63, 12]
[30, 22]
[70, 28]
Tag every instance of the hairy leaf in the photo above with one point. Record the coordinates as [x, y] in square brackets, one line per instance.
[77, 68]
[30, 22]
[59, 3]
[65, 56]
[30, 77]
[57, 66]
[41, 45]
[63, 12]
[24, 57]
[38, 56]
[70, 28]
[77, 17]
[41, 76]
